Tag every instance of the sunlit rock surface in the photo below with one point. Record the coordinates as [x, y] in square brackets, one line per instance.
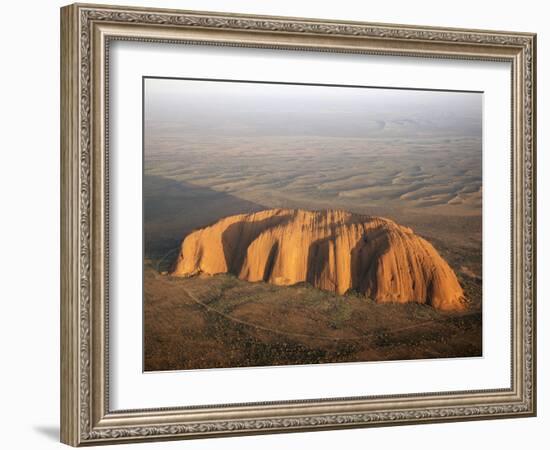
[332, 250]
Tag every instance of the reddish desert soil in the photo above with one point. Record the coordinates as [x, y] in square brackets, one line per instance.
[220, 321]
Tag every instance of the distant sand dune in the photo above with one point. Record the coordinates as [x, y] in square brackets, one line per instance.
[387, 173]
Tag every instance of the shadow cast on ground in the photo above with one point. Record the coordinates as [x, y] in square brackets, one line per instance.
[49, 431]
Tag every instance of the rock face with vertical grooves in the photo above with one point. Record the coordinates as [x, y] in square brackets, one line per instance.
[332, 250]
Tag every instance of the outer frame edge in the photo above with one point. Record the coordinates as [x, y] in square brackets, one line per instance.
[70, 226]
[69, 426]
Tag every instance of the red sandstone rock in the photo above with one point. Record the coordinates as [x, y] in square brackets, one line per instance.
[333, 250]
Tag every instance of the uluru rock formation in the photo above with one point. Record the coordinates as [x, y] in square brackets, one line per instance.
[332, 250]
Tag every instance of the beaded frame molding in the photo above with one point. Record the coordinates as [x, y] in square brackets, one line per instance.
[86, 32]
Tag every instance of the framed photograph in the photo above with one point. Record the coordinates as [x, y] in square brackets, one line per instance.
[274, 224]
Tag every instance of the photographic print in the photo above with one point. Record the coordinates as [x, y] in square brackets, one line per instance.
[290, 224]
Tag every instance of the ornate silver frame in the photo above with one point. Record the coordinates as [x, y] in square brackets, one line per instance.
[86, 31]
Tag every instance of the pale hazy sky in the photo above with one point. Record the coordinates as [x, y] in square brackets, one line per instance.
[229, 108]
